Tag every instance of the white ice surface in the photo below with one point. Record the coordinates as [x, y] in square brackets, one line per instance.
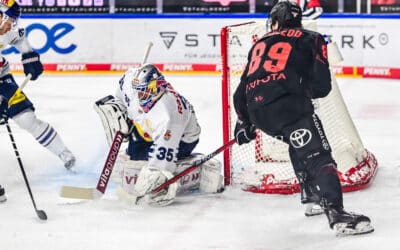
[232, 220]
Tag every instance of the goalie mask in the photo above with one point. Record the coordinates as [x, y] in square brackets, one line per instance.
[286, 13]
[149, 84]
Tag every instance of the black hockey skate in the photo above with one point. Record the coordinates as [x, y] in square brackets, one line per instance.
[345, 223]
[3, 197]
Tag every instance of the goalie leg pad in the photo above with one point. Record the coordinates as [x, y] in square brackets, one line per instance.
[127, 172]
[113, 116]
[190, 181]
[207, 178]
[211, 179]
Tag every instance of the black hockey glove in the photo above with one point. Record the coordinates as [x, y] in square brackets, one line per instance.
[32, 64]
[245, 132]
[3, 109]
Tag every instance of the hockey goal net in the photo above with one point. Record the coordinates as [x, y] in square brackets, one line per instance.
[263, 166]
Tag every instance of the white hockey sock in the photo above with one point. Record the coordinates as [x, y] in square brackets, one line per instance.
[43, 132]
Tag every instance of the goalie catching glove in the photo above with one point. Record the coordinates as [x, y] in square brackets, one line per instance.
[245, 132]
[113, 116]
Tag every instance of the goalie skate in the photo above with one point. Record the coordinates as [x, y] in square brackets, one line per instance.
[344, 223]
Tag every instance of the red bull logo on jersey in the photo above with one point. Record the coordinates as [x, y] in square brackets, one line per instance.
[167, 135]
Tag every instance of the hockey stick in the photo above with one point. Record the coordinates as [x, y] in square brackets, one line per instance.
[40, 213]
[135, 199]
[97, 193]
[195, 165]
[25, 81]
[147, 52]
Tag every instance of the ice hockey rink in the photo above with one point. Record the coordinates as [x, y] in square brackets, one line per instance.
[232, 220]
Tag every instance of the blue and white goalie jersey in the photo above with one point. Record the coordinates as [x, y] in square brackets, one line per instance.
[169, 121]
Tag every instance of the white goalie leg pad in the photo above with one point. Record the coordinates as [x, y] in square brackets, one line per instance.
[211, 179]
[190, 181]
[149, 179]
[123, 161]
[130, 173]
[126, 173]
[118, 169]
[113, 116]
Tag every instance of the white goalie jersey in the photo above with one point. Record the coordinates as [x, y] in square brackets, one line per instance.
[168, 122]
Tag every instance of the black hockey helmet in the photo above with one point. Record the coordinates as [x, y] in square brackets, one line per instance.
[286, 13]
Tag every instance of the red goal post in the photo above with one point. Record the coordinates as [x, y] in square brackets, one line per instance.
[263, 166]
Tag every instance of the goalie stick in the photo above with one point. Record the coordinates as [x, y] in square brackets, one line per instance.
[195, 165]
[97, 193]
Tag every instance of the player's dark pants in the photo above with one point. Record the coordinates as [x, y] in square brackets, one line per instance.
[309, 149]
[138, 149]
[17, 100]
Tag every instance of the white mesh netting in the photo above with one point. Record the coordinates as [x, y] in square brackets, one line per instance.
[263, 165]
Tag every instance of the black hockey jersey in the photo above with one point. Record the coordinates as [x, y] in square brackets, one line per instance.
[290, 64]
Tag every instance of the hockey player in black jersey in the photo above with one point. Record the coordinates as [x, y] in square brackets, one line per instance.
[286, 69]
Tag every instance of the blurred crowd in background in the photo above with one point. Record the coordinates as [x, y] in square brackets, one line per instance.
[196, 6]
